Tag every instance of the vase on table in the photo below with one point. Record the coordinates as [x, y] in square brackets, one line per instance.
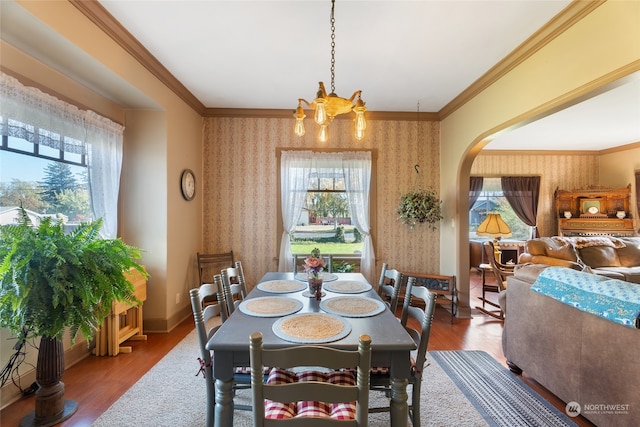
[315, 285]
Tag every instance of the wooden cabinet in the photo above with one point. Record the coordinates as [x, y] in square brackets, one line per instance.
[594, 211]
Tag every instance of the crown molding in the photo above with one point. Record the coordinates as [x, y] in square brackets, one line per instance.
[631, 146]
[486, 152]
[571, 14]
[97, 14]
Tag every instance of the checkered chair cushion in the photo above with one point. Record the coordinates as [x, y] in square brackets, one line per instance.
[340, 411]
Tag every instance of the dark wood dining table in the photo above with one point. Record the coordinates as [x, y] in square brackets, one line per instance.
[390, 344]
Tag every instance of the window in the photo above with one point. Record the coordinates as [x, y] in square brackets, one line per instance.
[65, 160]
[323, 195]
[492, 199]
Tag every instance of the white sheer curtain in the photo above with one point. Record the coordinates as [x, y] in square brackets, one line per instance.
[104, 139]
[295, 168]
[29, 114]
[357, 178]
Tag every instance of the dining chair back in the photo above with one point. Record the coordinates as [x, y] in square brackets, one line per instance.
[210, 264]
[233, 290]
[310, 398]
[212, 310]
[389, 286]
[417, 321]
[241, 279]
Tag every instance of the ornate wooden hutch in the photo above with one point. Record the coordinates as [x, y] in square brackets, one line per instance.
[594, 210]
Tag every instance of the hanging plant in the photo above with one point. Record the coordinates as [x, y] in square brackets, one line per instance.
[418, 207]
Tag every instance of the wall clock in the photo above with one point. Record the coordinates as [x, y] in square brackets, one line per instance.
[188, 184]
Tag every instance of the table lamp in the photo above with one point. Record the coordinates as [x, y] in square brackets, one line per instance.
[494, 226]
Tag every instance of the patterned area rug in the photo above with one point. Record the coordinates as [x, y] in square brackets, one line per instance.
[497, 393]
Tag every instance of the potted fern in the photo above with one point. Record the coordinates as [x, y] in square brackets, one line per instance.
[51, 282]
[418, 207]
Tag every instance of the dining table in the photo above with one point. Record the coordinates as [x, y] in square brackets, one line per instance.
[280, 299]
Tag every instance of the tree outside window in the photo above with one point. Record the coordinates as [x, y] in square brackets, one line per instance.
[44, 181]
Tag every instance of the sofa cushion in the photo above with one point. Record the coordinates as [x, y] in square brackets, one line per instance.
[555, 247]
[599, 256]
[629, 256]
[629, 274]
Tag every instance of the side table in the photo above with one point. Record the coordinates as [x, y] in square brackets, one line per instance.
[124, 322]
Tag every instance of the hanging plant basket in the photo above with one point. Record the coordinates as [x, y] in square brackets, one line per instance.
[419, 207]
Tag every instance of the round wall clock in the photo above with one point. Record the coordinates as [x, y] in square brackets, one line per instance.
[188, 184]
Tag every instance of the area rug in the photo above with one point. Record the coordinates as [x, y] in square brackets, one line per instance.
[497, 393]
[171, 395]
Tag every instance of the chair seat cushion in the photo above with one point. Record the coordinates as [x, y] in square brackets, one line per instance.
[340, 411]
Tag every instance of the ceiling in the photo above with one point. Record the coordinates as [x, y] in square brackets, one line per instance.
[405, 56]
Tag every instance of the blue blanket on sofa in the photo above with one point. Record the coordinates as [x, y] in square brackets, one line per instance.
[611, 299]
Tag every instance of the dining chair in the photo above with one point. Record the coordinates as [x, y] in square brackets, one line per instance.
[501, 272]
[412, 315]
[201, 317]
[309, 396]
[389, 286]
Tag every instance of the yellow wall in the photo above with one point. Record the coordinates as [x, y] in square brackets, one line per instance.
[601, 47]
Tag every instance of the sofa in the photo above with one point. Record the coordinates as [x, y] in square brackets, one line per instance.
[615, 257]
[589, 362]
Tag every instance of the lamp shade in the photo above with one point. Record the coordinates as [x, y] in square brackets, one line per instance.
[493, 226]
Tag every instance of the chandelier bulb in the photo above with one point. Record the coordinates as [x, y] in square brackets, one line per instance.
[324, 133]
[299, 126]
[320, 116]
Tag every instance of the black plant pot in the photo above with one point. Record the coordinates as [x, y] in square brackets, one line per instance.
[51, 408]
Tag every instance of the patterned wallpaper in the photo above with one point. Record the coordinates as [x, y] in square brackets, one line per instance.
[240, 194]
[563, 171]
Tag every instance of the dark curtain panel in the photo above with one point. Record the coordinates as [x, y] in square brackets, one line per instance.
[475, 188]
[522, 193]
[638, 193]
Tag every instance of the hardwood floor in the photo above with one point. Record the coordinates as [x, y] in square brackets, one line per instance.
[97, 382]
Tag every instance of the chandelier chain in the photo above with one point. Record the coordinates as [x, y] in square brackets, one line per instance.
[333, 47]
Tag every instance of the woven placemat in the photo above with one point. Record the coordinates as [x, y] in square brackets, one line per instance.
[311, 328]
[281, 286]
[347, 287]
[270, 306]
[352, 306]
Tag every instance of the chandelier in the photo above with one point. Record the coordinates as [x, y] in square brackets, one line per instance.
[326, 107]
